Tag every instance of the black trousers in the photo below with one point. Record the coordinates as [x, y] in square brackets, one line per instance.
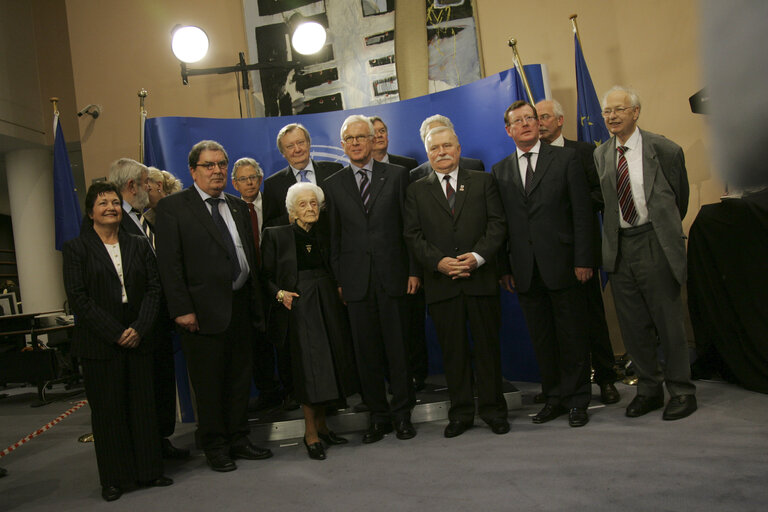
[557, 327]
[220, 369]
[416, 317]
[600, 348]
[165, 384]
[378, 335]
[121, 397]
[264, 365]
[483, 313]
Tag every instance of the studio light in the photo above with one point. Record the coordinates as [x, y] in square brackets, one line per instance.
[308, 37]
[189, 43]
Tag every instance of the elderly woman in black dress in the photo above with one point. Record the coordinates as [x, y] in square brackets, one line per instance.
[111, 281]
[307, 313]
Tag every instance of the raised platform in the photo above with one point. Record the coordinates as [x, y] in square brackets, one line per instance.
[431, 405]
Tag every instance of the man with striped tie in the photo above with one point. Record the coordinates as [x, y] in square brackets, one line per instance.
[131, 177]
[374, 272]
[645, 189]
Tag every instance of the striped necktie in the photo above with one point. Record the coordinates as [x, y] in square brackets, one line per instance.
[450, 193]
[624, 189]
[365, 192]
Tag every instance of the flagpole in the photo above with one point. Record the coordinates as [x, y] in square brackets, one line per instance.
[55, 102]
[142, 119]
[575, 26]
[519, 65]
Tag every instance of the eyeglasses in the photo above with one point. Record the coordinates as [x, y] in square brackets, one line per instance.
[298, 144]
[618, 110]
[211, 165]
[521, 120]
[545, 117]
[252, 177]
[349, 139]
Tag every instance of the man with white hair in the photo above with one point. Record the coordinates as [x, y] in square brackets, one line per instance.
[371, 264]
[424, 169]
[645, 189]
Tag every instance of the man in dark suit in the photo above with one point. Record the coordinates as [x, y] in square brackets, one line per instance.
[295, 144]
[455, 227]
[381, 145]
[645, 188]
[547, 204]
[371, 264]
[472, 164]
[551, 118]
[208, 268]
[131, 178]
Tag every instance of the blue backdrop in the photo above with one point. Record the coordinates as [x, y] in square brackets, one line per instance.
[476, 110]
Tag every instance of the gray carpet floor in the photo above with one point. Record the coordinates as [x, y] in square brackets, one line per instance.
[715, 460]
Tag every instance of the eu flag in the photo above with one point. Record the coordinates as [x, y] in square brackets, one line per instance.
[590, 118]
[66, 206]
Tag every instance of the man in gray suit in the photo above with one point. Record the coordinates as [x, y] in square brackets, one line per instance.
[645, 189]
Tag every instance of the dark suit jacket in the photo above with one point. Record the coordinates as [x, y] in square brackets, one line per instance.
[194, 262]
[276, 187]
[553, 224]
[404, 161]
[95, 295]
[585, 153]
[127, 225]
[362, 242]
[665, 183]
[433, 233]
[471, 164]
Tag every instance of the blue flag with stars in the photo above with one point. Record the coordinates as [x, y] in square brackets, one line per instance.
[590, 118]
[66, 205]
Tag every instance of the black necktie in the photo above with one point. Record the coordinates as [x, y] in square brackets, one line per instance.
[365, 192]
[528, 174]
[450, 193]
[225, 235]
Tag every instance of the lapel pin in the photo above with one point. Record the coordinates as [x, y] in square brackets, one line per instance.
[461, 188]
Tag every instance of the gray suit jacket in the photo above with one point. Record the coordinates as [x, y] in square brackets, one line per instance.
[665, 182]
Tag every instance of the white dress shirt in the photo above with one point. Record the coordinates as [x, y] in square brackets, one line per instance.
[522, 162]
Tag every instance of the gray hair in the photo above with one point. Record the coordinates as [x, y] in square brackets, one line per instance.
[203, 145]
[557, 108]
[435, 131]
[377, 118]
[634, 99]
[168, 181]
[299, 187]
[437, 118]
[124, 170]
[247, 161]
[357, 118]
[289, 128]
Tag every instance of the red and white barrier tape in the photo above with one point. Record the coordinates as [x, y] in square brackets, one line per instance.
[42, 429]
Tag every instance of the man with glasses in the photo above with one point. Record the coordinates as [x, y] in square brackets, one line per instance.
[645, 188]
[381, 145]
[208, 267]
[372, 267]
[547, 205]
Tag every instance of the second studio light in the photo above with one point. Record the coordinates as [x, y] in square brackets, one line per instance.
[189, 43]
[308, 37]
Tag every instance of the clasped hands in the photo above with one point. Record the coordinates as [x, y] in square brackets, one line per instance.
[129, 339]
[459, 267]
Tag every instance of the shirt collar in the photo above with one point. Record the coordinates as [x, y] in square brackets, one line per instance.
[633, 142]
[205, 195]
[368, 166]
[559, 141]
[296, 171]
[535, 149]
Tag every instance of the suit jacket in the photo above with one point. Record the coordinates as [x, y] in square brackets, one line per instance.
[665, 183]
[404, 161]
[478, 225]
[95, 295]
[194, 262]
[362, 242]
[585, 153]
[551, 225]
[276, 187]
[471, 164]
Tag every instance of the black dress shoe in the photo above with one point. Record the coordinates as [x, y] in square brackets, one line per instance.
[171, 452]
[404, 429]
[331, 438]
[221, 462]
[111, 493]
[499, 425]
[608, 393]
[290, 403]
[361, 407]
[578, 417]
[642, 404]
[548, 413]
[249, 452]
[376, 432]
[540, 398]
[419, 385]
[679, 407]
[161, 481]
[315, 450]
[456, 428]
[265, 401]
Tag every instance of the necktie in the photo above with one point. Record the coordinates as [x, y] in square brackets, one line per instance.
[148, 230]
[528, 174]
[624, 189]
[255, 226]
[365, 192]
[303, 175]
[450, 194]
[225, 235]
